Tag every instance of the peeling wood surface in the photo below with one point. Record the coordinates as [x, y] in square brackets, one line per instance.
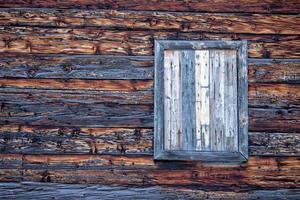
[128, 141]
[66, 191]
[247, 6]
[258, 172]
[186, 22]
[76, 90]
[126, 67]
[121, 42]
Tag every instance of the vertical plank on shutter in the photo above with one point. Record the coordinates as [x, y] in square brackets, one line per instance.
[188, 99]
[202, 99]
[230, 138]
[172, 99]
[217, 96]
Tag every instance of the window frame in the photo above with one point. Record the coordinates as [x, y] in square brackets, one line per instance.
[242, 84]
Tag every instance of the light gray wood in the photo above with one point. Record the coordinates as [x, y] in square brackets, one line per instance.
[158, 101]
[188, 99]
[243, 99]
[172, 100]
[216, 99]
[204, 100]
[230, 139]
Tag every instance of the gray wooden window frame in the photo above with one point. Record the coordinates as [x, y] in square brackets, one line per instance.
[242, 72]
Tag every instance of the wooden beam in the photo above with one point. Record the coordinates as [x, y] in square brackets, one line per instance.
[137, 20]
[243, 6]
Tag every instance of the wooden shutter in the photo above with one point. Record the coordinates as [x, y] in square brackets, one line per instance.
[201, 100]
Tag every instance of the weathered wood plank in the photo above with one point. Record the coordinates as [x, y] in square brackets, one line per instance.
[247, 6]
[271, 71]
[40, 140]
[125, 67]
[187, 94]
[75, 84]
[267, 104]
[202, 99]
[76, 66]
[274, 120]
[37, 140]
[274, 95]
[172, 100]
[186, 22]
[230, 136]
[77, 114]
[258, 172]
[10, 167]
[27, 96]
[33, 190]
[95, 41]
[283, 144]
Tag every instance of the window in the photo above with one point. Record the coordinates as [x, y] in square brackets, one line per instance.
[201, 102]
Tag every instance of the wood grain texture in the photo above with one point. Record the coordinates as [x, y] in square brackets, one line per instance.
[267, 102]
[172, 101]
[109, 42]
[33, 190]
[78, 84]
[10, 167]
[272, 71]
[76, 66]
[247, 6]
[126, 67]
[128, 141]
[39, 140]
[186, 22]
[259, 172]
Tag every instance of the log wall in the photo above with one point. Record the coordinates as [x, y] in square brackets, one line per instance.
[76, 90]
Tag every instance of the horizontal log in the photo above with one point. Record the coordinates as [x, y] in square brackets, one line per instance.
[247, 6]
[75, 84]
[125, 67]
[270, 109]
[266, 70]
[23, 91]
[38, 140]
[274, 95]
[257, 173]
[109, 42]
[81, 66]
[10, 167]
[120, 97]
[136, 20]
[274, 120]
[27, 190]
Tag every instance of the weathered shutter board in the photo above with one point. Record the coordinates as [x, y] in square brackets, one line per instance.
[202, 107]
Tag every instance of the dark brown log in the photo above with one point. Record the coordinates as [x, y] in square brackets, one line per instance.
[38, 140]
[274, 144]
[136, 20]
[248, 6]
[266, 71]
[126, 67]
[270, 109]
[27, 96]
[35, 140]
[256, 173]
[274, 120]
[108, 42]
[274, 95]
[10, 167]
[81, 66]
[75, 84]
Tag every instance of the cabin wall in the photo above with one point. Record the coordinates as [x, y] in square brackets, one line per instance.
[76, 90]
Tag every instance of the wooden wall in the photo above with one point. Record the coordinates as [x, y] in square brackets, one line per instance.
[76, 90]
